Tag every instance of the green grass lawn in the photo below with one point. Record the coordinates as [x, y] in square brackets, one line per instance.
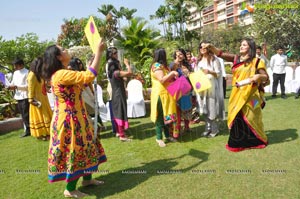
[194, 167]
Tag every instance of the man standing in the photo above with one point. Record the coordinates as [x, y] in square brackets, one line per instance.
[20, 86]
[278, 63]
[261, 56]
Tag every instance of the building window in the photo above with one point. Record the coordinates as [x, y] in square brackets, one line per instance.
[221, 1]
[230, 20]
[208, 17]
[229, 10]
[221, 12]
[229, 1]
[208, 8]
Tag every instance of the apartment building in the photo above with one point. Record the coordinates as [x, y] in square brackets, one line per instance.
[221, 13]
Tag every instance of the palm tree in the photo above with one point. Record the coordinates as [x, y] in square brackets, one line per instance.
[161, 13]
[127, 13]
[106, 9]
[138, 41]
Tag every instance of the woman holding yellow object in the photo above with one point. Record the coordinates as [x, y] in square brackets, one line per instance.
[244, 109]
[74, 151]
[40, 113]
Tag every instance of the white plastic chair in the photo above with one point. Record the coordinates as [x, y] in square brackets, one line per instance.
[297, 78]
[135, 102]
[102, 107]
[268, 89]
[291, 83]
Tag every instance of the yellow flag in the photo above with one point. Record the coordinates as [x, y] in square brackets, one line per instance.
[92, 34]
[199, 81]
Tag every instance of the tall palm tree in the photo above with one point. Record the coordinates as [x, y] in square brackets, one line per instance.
[127, 13]
[106, 9]
[161, 13]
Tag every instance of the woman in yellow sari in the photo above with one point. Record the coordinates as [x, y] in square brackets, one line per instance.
[245, 102]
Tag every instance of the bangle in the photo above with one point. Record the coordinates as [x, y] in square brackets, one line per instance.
[220, 53]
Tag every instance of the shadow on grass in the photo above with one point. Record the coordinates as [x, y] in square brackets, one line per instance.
[279, 136]
[197, 131]
[128, 179]
[147, 130]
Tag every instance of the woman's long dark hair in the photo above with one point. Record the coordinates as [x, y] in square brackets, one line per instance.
[113, 63]
[252, 49]
[75, 64]
[160, 56]
[51, 63]
[36, 67]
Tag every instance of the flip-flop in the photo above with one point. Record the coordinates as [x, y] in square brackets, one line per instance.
[74, 194]
[92, 182]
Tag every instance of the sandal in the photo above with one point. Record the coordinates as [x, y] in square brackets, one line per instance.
[125, 139]
[171, 139]
[206, 133]
[74, 194]
[161, 143]
[211, 135]
[91, 182]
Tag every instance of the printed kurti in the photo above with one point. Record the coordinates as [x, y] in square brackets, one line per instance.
[73, 150]
[39, 117]
[159, 91]
[244, 110]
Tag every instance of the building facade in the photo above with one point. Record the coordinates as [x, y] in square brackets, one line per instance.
[222, 13]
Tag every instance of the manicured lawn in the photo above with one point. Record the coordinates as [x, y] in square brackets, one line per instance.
[194, 167]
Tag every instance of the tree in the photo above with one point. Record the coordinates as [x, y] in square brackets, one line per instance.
[278, 23]
[174, 16]
[227, 39]
[72, 32]
[118, 14]
[26, 47]
[138, 41]
[161, 13]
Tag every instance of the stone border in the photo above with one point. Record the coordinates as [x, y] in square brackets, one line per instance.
[11, 124]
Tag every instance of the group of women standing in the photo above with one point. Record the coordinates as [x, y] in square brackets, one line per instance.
[164, 108]
[75, 150]
[245, 103]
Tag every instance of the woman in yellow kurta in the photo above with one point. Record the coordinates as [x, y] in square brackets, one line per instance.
[163, 106]
[74, 151]
[245, 102]
[40, 113]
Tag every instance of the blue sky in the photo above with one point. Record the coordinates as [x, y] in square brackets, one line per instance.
[44, 17]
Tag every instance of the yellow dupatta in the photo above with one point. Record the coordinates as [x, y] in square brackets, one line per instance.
[247, 98]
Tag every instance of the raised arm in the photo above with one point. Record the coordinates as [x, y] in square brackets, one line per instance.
[95, 64]
[218, 52]
[127, 73]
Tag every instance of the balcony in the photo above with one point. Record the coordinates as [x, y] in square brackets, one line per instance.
[208, 9]
[229, 2]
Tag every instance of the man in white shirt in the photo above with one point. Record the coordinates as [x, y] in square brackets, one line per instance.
[278, 63]
[20, 86]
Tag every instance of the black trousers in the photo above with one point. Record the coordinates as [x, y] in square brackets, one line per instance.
[278, 78]
[224, 86]
[23, 106]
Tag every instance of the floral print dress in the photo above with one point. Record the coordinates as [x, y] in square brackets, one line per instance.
[73, 150]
